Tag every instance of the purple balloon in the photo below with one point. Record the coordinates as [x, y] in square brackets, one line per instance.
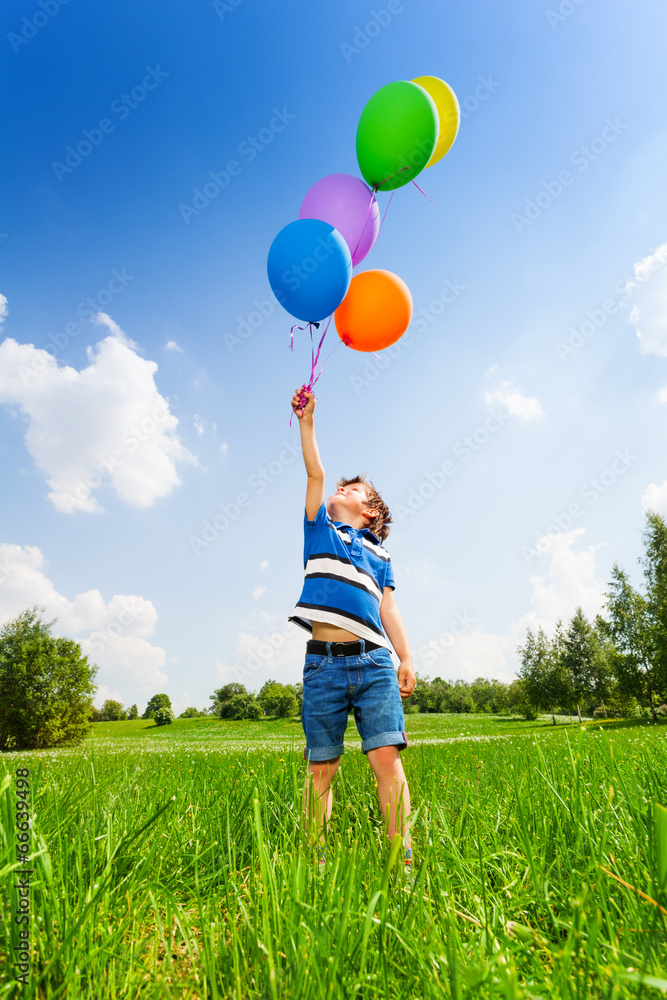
[348, 205]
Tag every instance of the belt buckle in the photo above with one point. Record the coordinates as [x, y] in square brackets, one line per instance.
[340, 652]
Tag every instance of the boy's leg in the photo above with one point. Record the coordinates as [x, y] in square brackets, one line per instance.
[322, 772]
[392, 790]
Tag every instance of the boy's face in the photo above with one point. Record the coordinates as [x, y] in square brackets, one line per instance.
[348, 505]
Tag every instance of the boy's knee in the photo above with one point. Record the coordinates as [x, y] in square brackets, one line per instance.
[323, 766]
[383, 757]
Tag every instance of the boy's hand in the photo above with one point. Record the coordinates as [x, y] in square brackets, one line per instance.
[297, 404]
[406, 678]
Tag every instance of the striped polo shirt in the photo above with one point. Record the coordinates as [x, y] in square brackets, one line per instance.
[346, 571]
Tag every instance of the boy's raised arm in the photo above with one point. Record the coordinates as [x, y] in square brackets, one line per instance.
[311, 456]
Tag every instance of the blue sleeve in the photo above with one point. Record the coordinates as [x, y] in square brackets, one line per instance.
[389, 576]
[321, 519]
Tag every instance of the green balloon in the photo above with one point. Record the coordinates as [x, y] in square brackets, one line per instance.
[396, 135]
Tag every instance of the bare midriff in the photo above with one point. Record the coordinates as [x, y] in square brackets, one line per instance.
[323, 632]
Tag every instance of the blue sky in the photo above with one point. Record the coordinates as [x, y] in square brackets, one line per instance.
[545, 208]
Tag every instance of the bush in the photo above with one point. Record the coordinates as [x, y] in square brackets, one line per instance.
[191, 713]
[164, 717]
[46, 686]
[112, 711]
[280, 700]
[241, 706]
[157, 701]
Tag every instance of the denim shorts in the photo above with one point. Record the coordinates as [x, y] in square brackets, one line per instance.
[367, 683]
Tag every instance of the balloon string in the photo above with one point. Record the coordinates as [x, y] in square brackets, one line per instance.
[314, 359]
[361, 234]
[424, 193]
[291, 333]
[376, 186]
[385, 212]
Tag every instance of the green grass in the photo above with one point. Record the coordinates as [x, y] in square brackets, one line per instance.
[171, 865]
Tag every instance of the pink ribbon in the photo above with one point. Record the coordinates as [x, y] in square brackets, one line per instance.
[314, 359]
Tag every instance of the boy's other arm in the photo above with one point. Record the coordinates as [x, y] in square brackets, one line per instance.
[392, 623]
[311, 456]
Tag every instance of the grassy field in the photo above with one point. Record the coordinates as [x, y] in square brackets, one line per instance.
[169, 864]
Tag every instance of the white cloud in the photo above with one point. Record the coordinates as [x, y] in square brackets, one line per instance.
[114, 635]
[171, 345]
[466, 657]
[278, 656]
[570, 581]
[105, 694]
[513, 399]
[199, 427]
[3, 307]
[655, 498]
[263, 565]
[257, 592]
[104, 425]
[648, 291]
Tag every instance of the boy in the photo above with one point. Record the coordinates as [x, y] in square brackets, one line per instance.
[348, 604]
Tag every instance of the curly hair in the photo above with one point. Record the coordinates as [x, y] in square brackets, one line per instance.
[379, 524]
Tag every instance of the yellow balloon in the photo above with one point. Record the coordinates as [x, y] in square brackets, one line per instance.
[448, 112]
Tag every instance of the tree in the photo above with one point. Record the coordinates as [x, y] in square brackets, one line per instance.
[278, 699]
[631, 626]
[242, 706]
[46, 685]
[584, 662]
[423, 696]
[543, 678]
[163, 716]
[457, 698]
[655, 573]
[191, 713]
[133, 712]
[112, 711]
[439, 689]
[157, 701]
[488, 695]
[223, 695]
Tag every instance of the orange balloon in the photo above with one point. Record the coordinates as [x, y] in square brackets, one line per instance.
[375, 312]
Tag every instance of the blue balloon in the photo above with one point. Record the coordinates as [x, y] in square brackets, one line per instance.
[310, 269]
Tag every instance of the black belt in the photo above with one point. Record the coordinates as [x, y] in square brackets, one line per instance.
[339, 648]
